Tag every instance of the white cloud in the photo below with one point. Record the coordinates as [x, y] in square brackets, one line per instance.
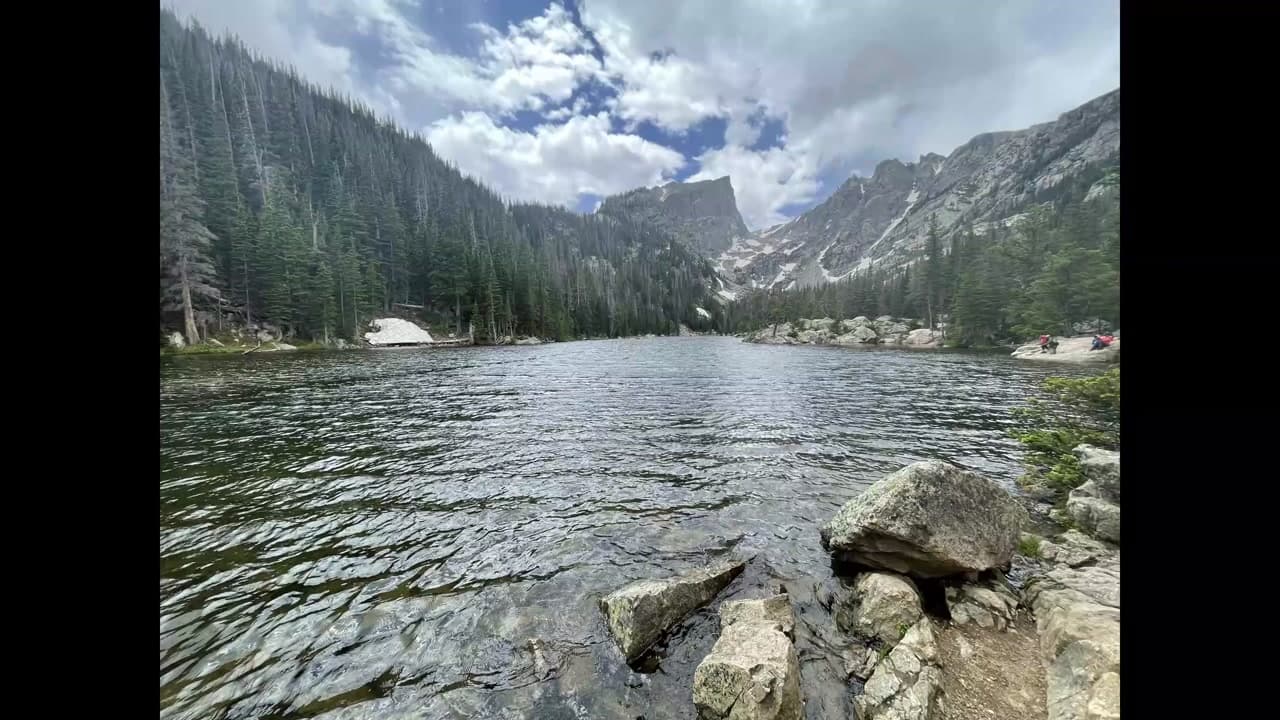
[763, 182]
[853, 81]
[554, 163]
[857, 81]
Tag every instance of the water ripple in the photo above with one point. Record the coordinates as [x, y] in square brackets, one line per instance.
[425, 533]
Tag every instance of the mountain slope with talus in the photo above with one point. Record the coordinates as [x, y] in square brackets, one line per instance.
[882, 220]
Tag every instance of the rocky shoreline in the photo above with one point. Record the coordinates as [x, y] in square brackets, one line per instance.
[946, 608]
[1072, 350]
[860, 330]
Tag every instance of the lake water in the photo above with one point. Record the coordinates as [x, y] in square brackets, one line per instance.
[426, 533]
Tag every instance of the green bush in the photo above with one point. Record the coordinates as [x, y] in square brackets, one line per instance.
[1072, 411]
[1029, 546]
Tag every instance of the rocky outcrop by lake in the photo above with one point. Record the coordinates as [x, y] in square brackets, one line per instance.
[928, 626]
[860, 330]
[1072, 350]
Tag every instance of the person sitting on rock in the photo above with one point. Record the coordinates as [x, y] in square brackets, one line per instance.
[1044, 343]
[1101, 341]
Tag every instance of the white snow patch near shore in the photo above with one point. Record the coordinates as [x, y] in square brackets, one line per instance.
[394, 331]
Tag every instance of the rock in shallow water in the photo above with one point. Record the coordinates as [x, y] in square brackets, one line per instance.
[753, 672]
[637, 615]
[929, 519]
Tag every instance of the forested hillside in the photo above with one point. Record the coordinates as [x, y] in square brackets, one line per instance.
[1056, 266]
[281, 203]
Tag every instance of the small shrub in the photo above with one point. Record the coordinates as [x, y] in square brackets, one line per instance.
[1074, 411]
[1029, 546]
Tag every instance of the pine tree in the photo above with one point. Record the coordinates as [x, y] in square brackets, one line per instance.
[188, 277]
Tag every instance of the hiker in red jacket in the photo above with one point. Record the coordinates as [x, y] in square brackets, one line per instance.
[1044, 343]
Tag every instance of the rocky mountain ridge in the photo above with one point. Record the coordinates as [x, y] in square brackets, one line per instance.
[882, 220]
[703, 215]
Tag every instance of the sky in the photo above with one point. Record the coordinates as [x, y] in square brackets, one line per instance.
[567, 101]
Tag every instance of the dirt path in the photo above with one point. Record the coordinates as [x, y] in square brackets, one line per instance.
[990, 675]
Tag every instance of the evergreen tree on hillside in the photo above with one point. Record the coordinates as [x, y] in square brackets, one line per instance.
[307, 213]
[188, 277]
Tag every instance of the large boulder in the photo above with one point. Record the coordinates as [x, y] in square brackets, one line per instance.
[1094, 515]
[1104, 699]
[638, 614]
[905, 684]
[1077, 611]
[1102, 468]
[862, 334]
[923, 337]
[766, 336]
[770, 611]
[1062, 586]
[1086, 674]
[881, 605]
[176, 341]
[929, 519]
[752, 672]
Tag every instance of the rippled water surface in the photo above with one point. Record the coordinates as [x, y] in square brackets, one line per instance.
[425, 533]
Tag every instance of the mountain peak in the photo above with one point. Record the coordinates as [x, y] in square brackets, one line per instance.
[702, 214]
[990, 181]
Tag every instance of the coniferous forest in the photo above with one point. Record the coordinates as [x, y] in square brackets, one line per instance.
[1058, 266]
[285, 206]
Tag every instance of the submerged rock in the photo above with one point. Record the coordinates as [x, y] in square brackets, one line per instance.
[638, 614]
[929, 519]
[905, 684]
[753, 672]
[881, 606]
[770, 611]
